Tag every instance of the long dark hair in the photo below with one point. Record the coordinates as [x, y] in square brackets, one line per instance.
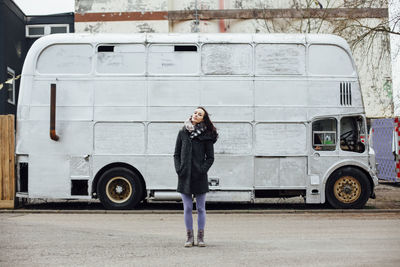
[210, 126]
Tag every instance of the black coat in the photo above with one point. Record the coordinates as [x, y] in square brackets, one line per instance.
[193, 158]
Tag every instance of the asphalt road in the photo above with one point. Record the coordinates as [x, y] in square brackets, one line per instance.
[329, 239]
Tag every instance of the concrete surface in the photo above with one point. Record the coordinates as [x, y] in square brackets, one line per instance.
[330, 239]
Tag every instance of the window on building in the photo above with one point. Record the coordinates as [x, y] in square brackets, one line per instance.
[58, 29]
[324, 134]
[10, 86]
[35, 31]
[227, 59]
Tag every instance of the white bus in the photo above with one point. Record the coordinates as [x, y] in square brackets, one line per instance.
[98, 117]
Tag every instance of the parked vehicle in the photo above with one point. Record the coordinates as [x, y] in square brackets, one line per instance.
[98, 117]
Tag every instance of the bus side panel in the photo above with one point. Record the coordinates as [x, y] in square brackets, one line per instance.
[50, 165]
[120, 99]
[281, 100]
[50, 161]
[160, 173]
[281, 155]
[232, 172]
[49, 176]
[160, 169]
[280, 172]
[228, 99]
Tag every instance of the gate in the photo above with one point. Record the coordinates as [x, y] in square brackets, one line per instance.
[383, 142]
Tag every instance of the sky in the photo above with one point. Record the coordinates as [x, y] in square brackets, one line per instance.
[45, 7]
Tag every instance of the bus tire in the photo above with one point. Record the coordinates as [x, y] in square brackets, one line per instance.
[119, 188]
[348, 188]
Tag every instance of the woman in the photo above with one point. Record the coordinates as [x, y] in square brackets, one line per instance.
[193, 157]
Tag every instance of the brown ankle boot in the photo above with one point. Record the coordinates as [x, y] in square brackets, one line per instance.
[200, 238]
[190, 239]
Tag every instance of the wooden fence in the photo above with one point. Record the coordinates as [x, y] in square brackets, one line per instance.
[7, 159]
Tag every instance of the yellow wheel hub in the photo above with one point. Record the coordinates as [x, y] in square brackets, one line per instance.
[119, 189]
[347, 189]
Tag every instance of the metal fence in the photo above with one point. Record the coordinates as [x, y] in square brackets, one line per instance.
[382, 143]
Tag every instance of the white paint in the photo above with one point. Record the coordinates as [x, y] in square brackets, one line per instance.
[263, 119]
[76, 59]
[237, 138]
[119, 138]
[167, 132]
[280, 59]
[329, 61]
[228, 59]
[273, 139]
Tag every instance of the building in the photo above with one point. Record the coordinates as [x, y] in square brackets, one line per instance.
[18, 32]
[347, 18]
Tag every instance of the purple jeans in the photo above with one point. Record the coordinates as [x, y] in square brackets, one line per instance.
[188, 208]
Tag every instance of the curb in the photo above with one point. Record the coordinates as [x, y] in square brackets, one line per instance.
[328, 211]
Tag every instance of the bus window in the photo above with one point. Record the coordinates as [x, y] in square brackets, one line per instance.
[324, 134]
[352, 134]
[329, 60]
[65, 59]
[226, 59]
[173, 59]
[121, 59]
[280, 59]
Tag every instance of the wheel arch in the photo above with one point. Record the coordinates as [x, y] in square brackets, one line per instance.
[345, 164]
[113, 165]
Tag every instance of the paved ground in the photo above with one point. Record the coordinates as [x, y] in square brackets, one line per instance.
[387, 196]
[354, 239]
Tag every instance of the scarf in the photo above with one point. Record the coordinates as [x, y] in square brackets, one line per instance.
[195, 130]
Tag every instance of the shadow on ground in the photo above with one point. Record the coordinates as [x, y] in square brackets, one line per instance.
[172, 206]
[387, 197]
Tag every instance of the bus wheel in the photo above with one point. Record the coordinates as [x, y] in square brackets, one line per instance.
[348, 188]
[119, 188]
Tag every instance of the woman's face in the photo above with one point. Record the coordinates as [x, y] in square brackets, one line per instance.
[198, 116]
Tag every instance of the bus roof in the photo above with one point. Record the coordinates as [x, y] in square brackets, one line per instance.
[94, 39]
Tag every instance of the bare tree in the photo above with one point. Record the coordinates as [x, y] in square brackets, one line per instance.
[369, 39]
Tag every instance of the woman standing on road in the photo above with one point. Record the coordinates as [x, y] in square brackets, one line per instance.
[193, 157]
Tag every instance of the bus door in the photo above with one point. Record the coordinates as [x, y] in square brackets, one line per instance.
[323, 153]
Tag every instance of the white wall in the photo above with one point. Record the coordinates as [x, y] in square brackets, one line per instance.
[394, 15]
